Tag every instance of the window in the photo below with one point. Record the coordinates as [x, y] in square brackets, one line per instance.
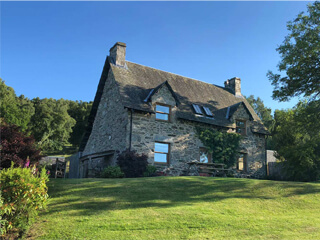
[205, 157]
[161, 152]
[163, 112]
[242, 162]
[197, 109]
[208, 112]
[241, 127]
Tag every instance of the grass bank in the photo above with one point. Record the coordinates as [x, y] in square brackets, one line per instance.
[179, 208]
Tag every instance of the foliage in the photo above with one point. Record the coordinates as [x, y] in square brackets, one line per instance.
[24, 193]
[300, 58]
[179, 208]
[150, 171]
[51, 123]
[262, 111]
[16, 147]
[132, 163]
[112, 172]
[223, 146]
[13, 109]
[297, 141]
[264, 114]
[79, 111]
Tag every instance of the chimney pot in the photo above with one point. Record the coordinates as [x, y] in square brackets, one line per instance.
[118, 54]
[234, 84]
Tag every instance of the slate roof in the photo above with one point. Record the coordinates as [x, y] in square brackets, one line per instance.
[137, 83]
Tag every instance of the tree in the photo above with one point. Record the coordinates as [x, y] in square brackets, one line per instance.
[300, 58]
[51, 123]
[79, 111]
[223, 145]
[16, 147]
[15, 110]
[264, 114]
[26, 110]
[262, 111]
[297, 141]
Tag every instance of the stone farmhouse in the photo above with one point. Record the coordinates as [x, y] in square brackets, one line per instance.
[157, 112]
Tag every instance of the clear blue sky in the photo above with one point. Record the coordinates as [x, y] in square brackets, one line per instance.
[57, 49]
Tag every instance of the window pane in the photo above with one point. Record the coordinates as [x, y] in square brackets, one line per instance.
[241, 162]
[239, 130]
[161, 147]
[196, 108]
[240, 165]
[240, 124]
[204, 156]
[162, 116]
[160, 157]
[208, 112]
[160, 108]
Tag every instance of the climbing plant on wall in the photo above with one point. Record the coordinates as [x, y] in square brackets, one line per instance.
[223, 146]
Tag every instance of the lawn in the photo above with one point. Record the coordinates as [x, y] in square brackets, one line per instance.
[179, 208]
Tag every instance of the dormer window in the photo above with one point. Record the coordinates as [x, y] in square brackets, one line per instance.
[163, 112]
[241, 127]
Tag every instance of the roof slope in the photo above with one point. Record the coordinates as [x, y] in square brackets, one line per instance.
[136, 81]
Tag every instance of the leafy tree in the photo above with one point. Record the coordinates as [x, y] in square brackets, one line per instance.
[262, 111]
[26, 110]
[265, 115]
[300, 58]
[223, 145]
[9, 109]
[297, 141]
[15, 110]
[79, 111]
[51, 123]
[16, 147]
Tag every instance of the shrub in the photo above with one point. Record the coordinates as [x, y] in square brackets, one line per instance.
[23, 194]
[16, 147]
[112, 172]
[150, 171]
[132, 163]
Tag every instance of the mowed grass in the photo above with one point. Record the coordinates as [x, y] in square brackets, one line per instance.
[179, 208]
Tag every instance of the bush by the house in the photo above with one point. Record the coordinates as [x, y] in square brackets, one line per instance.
[132, 163]
[112, 172]
[150, 171]
[23, 194]
[16, 146]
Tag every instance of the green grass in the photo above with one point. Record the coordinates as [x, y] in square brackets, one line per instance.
[179, 208]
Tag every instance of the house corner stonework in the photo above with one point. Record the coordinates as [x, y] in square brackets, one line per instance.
[109, 132]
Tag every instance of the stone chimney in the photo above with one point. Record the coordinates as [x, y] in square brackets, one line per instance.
[118, 54]
[234, 84]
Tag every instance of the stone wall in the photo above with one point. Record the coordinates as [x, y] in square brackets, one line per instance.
[109, 130]
[253, 145]
[181, 135]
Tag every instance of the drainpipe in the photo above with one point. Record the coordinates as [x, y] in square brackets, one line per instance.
[265, 148]
[130, 136]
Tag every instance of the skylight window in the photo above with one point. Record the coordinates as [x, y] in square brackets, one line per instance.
[197, 109]
[208, 112]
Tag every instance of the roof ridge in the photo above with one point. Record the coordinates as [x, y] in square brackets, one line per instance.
[177, 74]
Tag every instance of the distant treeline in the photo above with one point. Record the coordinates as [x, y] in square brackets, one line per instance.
[53, 123]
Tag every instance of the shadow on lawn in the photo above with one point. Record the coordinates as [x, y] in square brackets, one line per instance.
[90, 196]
